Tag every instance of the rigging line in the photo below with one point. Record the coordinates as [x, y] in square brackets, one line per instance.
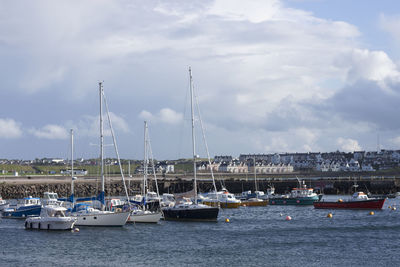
[204, 139]
[115, 145]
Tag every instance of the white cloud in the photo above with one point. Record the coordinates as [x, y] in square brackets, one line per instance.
[284, 78]
[369, 65]
[89, 126]
[391, 24]
[254, 11]
[9, 128]
[165, 115]
[50, 131]
[348, 144]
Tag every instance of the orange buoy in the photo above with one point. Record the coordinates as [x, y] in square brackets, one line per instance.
[329, 215]
[227, 220]
[371, 213]
[288, 218]
[389, 207]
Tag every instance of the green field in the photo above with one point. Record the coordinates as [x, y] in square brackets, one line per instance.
[10, 169]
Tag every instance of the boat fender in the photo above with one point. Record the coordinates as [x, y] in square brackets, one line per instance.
[39, 226]
[394, 208]
[26, 225]
[118, 210]
[288, 218]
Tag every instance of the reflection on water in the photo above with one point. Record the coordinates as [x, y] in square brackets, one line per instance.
[255, 236]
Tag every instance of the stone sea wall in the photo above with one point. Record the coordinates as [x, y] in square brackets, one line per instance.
[83, 189]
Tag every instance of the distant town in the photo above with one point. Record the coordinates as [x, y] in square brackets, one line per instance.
[277, 163]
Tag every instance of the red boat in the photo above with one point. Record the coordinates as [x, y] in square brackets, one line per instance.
[359, 200]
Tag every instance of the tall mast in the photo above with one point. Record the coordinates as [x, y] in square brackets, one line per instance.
[255, 174]
[72, 163]
[145, 160]
[193, 137]
[101, 137]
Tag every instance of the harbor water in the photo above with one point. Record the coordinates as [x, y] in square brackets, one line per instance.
[254, 236]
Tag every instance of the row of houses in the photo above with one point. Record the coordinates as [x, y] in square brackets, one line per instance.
[332, 161]
[236, 166]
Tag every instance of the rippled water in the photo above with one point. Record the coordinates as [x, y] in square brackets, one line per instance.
[255, 236]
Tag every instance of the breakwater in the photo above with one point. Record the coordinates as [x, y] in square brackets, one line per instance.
[88, 187]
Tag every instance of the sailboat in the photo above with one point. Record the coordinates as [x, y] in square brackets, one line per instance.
[255, 199]
[87, 215]
[140, 213]
[189, 211]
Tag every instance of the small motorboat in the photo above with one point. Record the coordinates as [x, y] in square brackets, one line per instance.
[51, 218]
[297, 196]
[359, 200]
[28, 206]
[222, 198]
[141, 215]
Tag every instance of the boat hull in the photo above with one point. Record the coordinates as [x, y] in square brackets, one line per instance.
[22, 212]
[293, 201]
[152, 217]
[50, 223]
[224, 205]
[102, 219]
[249, 203]
[375, 204]
[191, 214]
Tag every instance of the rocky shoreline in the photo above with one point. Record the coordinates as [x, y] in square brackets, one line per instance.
[22, 187]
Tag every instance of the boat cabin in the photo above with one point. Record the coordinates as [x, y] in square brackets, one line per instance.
[360, 196]
[52, 211]
[29, 201]
[50, 198]
[114, 203]
[302, 192]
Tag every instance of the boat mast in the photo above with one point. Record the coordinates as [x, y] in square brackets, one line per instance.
[72, 165]
[255, 174]
[145, 160]
[193, 137]
[101, 142]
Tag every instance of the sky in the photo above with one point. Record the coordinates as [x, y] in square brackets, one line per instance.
[270, 76]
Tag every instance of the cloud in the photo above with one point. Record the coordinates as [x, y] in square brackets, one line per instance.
[395, 141]
[284, 78]
[89, 126]
[50, 131]
[348, 144]
[165, 115]
[369, 66]
[390, 24]
[9, 129]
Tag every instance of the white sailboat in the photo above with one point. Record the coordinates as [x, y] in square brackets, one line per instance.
[189, 211]
[85, 214]
[140, 213]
